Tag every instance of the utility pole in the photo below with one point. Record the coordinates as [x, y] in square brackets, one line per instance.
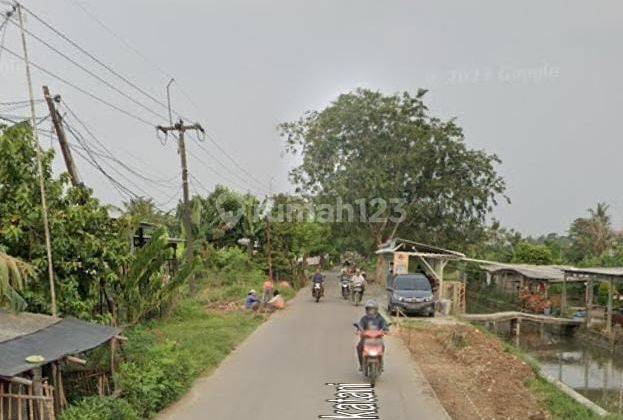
[35, 138]
[180, 128]
[62, 138]
[268, 241]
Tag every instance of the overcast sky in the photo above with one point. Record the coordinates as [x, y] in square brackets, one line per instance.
[538, 83]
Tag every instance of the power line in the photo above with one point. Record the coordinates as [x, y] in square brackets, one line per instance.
[95, 59]
[89, 72]
[110, 155]
[133, 85]
[163, 72]
[243, 180]
[82, 90]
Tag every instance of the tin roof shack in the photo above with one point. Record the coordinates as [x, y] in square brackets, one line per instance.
[589, 276]
[511, 278]
[33, 350]
[395, 254]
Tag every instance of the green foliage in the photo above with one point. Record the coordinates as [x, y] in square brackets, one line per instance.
[165, 357]
[13, 275]
[156, 380]
[142, 209]
[89, 248]
[528, 253]
[559, 405]
[97, 408]
[366, 145]
[147, 288]
[591, 237]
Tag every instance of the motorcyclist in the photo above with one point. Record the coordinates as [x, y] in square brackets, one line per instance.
[372, 319]
[318, 278]
[359, 280]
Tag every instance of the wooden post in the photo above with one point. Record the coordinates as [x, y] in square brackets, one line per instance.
[39, 159]
[62, 139]
[609, 314]
[589, 301]
[56, 372]
[563, 296]
[113, 366]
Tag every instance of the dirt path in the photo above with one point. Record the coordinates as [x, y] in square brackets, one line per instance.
[471, 372]
[282, 372]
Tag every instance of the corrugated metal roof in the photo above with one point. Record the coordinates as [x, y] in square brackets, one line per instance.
[406, 245]
[55, 341]
[537, 272]
[598, 271]
[13, 325]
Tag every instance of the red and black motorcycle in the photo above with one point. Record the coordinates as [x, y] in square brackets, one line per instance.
[373, 351]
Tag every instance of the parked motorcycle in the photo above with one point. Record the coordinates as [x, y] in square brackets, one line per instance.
[345, 285]
[373, 351]
[356, 295]
[317, 292]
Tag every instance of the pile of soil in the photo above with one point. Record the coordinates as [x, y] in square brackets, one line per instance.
[472, 375]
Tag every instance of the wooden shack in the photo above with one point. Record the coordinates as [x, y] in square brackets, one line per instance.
[512, 278]
[34, 349]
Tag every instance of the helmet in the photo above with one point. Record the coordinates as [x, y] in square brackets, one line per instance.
[372, 308]
[252, 292]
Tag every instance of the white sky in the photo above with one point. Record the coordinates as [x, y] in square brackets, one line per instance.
[538, 83]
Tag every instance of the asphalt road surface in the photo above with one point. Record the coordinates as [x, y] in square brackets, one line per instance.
[282, 370]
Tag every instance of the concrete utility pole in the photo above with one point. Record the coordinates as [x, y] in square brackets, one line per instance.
[180, 128]
[62, 138]
[35, 138]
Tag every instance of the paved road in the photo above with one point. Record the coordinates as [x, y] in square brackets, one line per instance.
[281, 371]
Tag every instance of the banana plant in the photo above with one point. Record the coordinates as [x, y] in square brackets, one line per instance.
[13, 275]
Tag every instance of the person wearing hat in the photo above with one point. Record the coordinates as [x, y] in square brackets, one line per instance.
[252, 302]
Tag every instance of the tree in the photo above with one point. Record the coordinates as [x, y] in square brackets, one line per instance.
[89, 248]
[13, 276]
[528, 253]
[591, 236]
[391, 153]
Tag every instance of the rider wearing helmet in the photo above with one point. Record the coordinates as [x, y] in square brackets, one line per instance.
[372, 319]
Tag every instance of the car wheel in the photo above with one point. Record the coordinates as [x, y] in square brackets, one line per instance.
[431, 314]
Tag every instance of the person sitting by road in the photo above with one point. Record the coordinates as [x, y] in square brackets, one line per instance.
[359, 280]
[318, 278]
[277, 302]
[371, 320]
[267, 290]
[252, 303]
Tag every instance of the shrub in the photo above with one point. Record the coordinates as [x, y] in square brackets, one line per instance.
[156, 378]
[96, 408]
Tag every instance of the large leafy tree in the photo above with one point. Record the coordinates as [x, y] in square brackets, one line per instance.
[591, 237]
[369, 146]
[89, 248]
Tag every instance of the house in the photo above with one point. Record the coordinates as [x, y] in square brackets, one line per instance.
[512, 278]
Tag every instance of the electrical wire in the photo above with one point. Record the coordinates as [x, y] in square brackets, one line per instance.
[110, 155]
[89, 72]
[94, 58]
[92, 16]
[243, 180]
[82, 90]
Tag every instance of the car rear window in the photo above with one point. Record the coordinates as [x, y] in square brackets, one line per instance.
[412, 283]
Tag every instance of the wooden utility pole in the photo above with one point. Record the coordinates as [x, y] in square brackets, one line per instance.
[35, 138]
[57, 120]
[270, 250]
[180, 128]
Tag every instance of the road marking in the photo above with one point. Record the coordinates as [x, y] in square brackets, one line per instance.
[353, 401]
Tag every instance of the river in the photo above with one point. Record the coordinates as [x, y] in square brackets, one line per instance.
[593, 372]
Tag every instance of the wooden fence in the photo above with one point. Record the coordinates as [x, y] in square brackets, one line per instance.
[21, 402]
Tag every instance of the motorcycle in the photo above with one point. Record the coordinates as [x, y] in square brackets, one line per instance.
[373, 351]
[317, 292]
[356, 294]
[345, 283]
